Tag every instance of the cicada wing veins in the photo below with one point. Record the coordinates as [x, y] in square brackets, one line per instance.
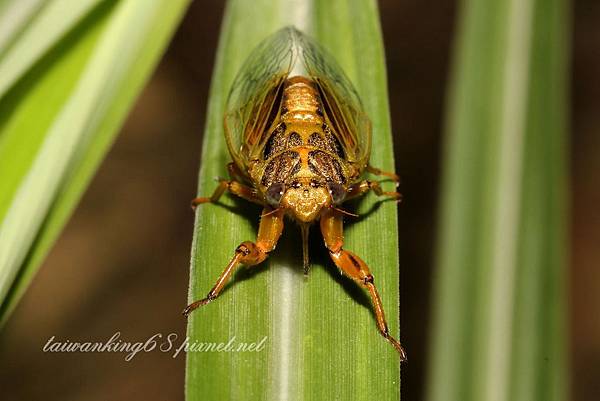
[254, 100]
[255, 95]
[343, 107]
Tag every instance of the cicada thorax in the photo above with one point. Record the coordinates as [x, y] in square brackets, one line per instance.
[301, 156]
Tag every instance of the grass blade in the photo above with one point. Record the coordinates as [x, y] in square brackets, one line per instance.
[59, 120]
[41, 26]
[499, 329]
[322, 341]
[14, 16]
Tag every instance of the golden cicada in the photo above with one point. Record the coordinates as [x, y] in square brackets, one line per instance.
[300, 142]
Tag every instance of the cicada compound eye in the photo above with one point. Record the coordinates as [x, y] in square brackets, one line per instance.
[338, 193]
[274, 194]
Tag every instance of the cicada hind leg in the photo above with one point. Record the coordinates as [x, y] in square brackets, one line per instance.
[247, 253]
[355, 268]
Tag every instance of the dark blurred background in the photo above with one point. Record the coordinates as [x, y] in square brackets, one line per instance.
[131, 234]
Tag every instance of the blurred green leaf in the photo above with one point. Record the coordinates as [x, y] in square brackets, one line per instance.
[32, 28]
[322, 341]
[499, 316]
[14, 16]
[61, 114]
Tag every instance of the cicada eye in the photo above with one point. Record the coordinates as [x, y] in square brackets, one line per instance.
[338, 193]
[274, 194]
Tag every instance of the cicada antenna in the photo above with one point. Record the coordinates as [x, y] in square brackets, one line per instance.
[342, 211]
[270, 212]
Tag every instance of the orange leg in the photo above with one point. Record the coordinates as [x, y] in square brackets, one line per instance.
[365, 186]
[374, 170]
[247, 253]
[355, 268]
[235, 188]
[234, 185]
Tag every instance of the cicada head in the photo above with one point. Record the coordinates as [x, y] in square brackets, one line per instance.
[304, 199]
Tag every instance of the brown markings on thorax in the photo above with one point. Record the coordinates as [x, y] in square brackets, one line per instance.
[301, 146]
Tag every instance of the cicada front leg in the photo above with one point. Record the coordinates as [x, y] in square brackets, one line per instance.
[247, 253]
[355, 268]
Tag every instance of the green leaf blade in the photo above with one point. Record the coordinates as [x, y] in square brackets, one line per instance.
[42, 27]
[501, 249]
[98, 89]
[322, 340]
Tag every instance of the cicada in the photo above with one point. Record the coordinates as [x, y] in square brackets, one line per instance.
[300, 141]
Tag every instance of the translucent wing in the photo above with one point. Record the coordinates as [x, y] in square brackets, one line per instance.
[254, 101]
[341, 102]
[255, 95]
